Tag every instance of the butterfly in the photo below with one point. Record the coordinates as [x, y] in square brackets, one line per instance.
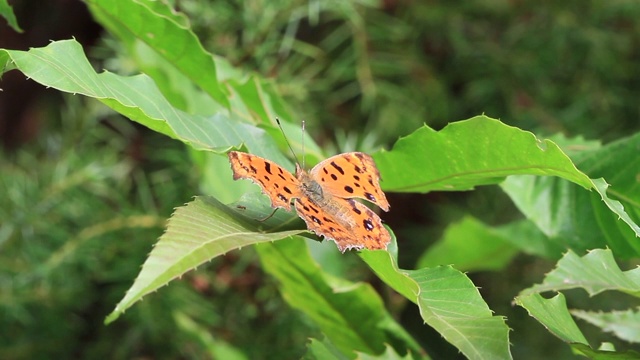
[324, 196]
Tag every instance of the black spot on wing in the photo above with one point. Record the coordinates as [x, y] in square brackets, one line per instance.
[354, 207]
[348, 189]
[370, 197]
[337, 167]
[267, 168]
[368, 224]
[334, 177]
[286, 189]
[252, 169]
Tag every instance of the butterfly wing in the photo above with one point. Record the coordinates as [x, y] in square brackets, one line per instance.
[277, 183]
[351, 175]
[351, 224]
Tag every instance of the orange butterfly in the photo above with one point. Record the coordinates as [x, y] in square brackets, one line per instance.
[324, 196]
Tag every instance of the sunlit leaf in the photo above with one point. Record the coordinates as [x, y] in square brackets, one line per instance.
[196, 233]
[62, 65]
[469, 153]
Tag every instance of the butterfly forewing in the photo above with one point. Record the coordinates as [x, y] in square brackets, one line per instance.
[351, 175]
[277, 183]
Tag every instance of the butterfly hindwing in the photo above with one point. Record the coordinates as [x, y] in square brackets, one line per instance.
[351, 175]
[351, 224]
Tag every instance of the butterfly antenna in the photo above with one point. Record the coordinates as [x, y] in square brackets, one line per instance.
[303, 152]
[288, 143]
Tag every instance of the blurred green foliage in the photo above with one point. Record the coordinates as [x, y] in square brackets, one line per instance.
[568, 67]
[83, 203]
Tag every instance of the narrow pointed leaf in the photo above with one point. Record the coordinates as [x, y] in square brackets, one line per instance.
[196, 233]
[7, 13]
[554, 315]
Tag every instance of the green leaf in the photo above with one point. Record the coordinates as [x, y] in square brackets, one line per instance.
[618, 163]
[482, 151]
[389, 354]
[196, 233]
[465, 154]
[448, 302]
[553, 314]
[587, 351]
[470, 245]
[166, 34]
[595, 272]
[527, 237]
[384, 264]
[351, 315]
[216, 349]
[623, 324]
[62, 65]
[321, 350]
[580, 220]
[7, 13]
[573, 217]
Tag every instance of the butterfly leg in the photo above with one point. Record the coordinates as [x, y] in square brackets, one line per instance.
[268, 217]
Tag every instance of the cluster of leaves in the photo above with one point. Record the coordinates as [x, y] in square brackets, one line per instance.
[187, 94]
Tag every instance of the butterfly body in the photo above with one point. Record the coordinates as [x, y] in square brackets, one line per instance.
[308, 186]
[323, 197]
